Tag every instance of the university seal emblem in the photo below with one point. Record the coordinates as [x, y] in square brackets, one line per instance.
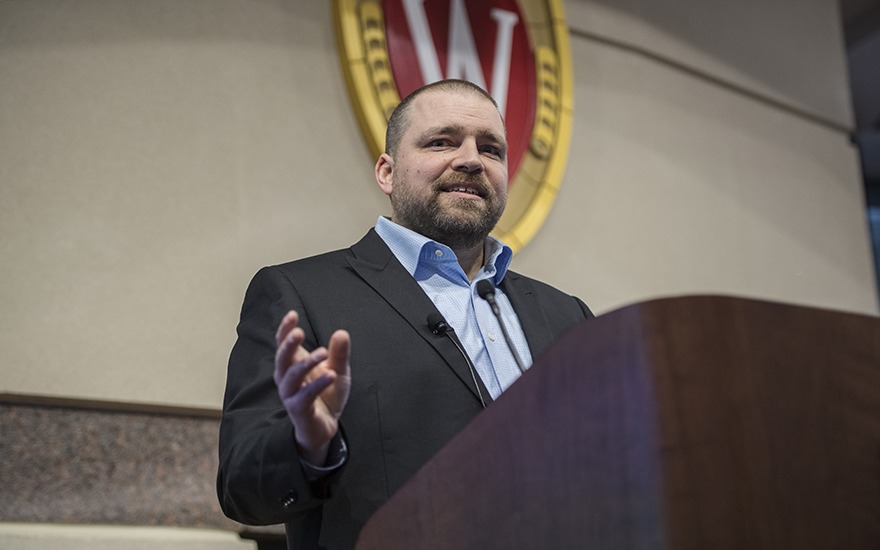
[516, 50]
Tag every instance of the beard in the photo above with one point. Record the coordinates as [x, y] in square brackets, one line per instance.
[454, 221]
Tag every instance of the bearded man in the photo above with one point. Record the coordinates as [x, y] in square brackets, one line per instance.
[319, 437]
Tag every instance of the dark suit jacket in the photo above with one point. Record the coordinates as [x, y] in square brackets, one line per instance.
[411, 389]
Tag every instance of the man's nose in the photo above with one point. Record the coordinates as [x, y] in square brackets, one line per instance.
[468, 158]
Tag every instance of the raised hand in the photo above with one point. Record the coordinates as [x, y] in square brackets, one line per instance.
[314, 386]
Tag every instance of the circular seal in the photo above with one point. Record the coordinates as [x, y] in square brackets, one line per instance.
[518, 51]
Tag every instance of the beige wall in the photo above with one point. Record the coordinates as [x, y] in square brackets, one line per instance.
[29, 536]
[154, 154]
[710, 155]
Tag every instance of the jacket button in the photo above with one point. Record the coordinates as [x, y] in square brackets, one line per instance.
[288, 500]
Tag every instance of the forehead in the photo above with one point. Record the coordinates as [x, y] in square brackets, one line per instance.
[468, 110]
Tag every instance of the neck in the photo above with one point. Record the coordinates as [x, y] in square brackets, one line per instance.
[471, 259]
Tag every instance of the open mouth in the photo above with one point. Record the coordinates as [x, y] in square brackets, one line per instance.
[464, 188]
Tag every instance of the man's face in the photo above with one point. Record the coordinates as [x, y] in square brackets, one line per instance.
[448, 180]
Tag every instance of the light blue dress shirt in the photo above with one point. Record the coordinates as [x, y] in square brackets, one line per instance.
[435, 267]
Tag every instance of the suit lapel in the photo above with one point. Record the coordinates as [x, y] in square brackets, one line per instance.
[532, 317]
[376, 265]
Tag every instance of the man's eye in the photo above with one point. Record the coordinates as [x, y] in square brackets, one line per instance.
[494, 151]
[438, 143]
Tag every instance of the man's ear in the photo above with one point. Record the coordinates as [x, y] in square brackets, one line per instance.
[384, 173]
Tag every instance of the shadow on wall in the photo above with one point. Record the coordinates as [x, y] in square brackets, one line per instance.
[716, 30]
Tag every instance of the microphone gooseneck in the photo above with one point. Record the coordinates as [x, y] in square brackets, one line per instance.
[438, 325]
[486, 291]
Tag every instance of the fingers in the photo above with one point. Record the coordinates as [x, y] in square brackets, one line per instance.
[302, 377]
[339, 352]
[302, 399]
[291, 375]
[295, 366]
[289, 351]
[288, 323]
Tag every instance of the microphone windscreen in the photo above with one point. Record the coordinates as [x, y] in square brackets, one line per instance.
[436, 322]
[485, 289]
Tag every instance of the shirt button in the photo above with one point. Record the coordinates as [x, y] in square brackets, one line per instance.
[438, 253]
[491, 336]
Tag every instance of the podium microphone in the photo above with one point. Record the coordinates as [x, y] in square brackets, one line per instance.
[486, 290]
[438, 325]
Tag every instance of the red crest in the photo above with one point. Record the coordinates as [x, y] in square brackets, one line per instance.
[516, 51]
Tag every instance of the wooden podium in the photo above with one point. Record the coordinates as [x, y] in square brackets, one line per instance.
[688, 423]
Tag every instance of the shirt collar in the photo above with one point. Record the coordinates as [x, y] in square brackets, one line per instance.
[413, 249]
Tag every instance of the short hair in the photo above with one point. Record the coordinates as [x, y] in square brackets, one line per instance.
[400, 120]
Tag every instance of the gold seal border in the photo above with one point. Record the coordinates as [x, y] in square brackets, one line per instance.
[363, 52]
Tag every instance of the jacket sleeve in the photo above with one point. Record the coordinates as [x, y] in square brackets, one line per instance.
[588, 314]
[260, 480]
